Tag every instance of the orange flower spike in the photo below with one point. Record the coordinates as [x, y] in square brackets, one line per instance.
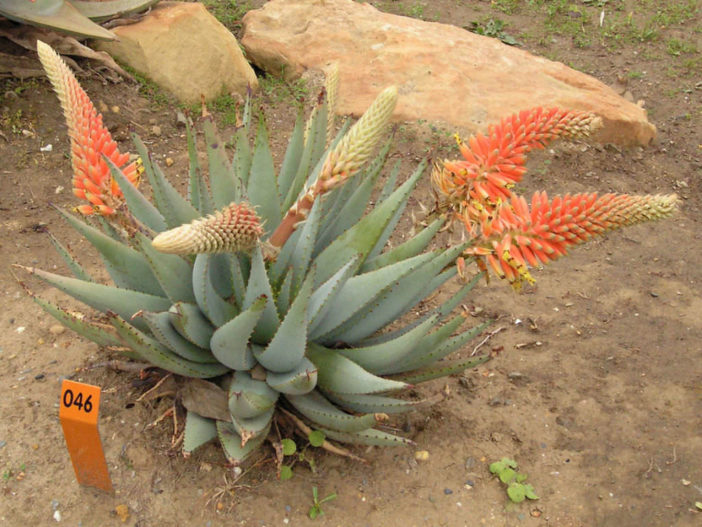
[90, 140]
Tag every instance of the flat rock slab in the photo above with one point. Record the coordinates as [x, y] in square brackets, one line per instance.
[443, 73]
[186, 50]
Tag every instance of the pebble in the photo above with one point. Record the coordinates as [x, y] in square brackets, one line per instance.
[57, 329]
[2, 443]
[57, 515]
[20, 329]
[115, 109]
[288, 508]
[54, 505]
[39, 377]
[156, 130]
[448, 491]
[421, 455]
[181, 120]
[123, 512]
[169, 161]
[470, 463]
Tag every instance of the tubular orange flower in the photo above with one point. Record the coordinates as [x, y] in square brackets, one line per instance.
[90, 140]
[493, 164]
[517, 236]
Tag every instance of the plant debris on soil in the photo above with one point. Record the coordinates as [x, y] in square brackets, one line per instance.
[596, 381]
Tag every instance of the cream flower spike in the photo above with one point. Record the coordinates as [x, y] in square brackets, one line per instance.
[235, 228]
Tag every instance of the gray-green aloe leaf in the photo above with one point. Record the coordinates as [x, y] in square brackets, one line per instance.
[105, 298]
[229, 343]
[338, 374]
[287, 348]
[159, 355]
[322, 413]
[198, 431]
[249, 397]
[232, 443]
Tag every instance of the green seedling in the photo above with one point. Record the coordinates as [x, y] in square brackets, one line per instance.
[316, 509]
[494, 28]
[315, 438]
[517, 490]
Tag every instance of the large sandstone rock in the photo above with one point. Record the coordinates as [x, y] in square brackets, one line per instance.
[444, 73]
[184, 49]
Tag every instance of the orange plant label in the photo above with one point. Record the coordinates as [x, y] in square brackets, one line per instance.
[79, 408]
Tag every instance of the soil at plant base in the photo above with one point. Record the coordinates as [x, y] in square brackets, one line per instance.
[595, 387]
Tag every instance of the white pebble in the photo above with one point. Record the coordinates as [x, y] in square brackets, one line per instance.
[20, 329]
[57, 515]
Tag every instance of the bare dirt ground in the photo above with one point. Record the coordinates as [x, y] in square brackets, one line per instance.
[596, 384]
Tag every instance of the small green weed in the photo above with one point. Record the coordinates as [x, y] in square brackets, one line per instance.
[316, 509]
[677, 47]
[279, 90]
[493, 27]
[11, 121]
[228, 12]
[315, 438]
[415, 11]
[508, 7]
[517, 490]
[226, 106]
[149, 89]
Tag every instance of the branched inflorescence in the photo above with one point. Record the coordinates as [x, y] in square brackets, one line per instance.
[508, 232]
[90, 141]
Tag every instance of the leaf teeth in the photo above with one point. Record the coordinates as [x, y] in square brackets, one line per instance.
[235, 228]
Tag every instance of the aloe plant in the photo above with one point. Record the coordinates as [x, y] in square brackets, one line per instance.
[72, 17]
[280, 285]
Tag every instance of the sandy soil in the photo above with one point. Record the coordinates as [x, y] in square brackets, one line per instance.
[595, 388]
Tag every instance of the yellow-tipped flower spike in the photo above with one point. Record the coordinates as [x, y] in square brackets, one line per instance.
[358, 144]
[235, 228]
[90, 139]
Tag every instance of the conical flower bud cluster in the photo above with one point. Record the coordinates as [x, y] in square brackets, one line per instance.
[359, 143]
[235, 228]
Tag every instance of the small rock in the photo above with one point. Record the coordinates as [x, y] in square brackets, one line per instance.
[470, 463]
[685, 482]
[156, 130]
[39, 377]
[122, 512]
[496, 437]
[181, 120]
[421, 455]
[57, 329]
[448, 491]
[57, 515]
[654, 295]
[169, 161]
[20, 329]
[2, 443]
[115, 109]
[54, 505]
